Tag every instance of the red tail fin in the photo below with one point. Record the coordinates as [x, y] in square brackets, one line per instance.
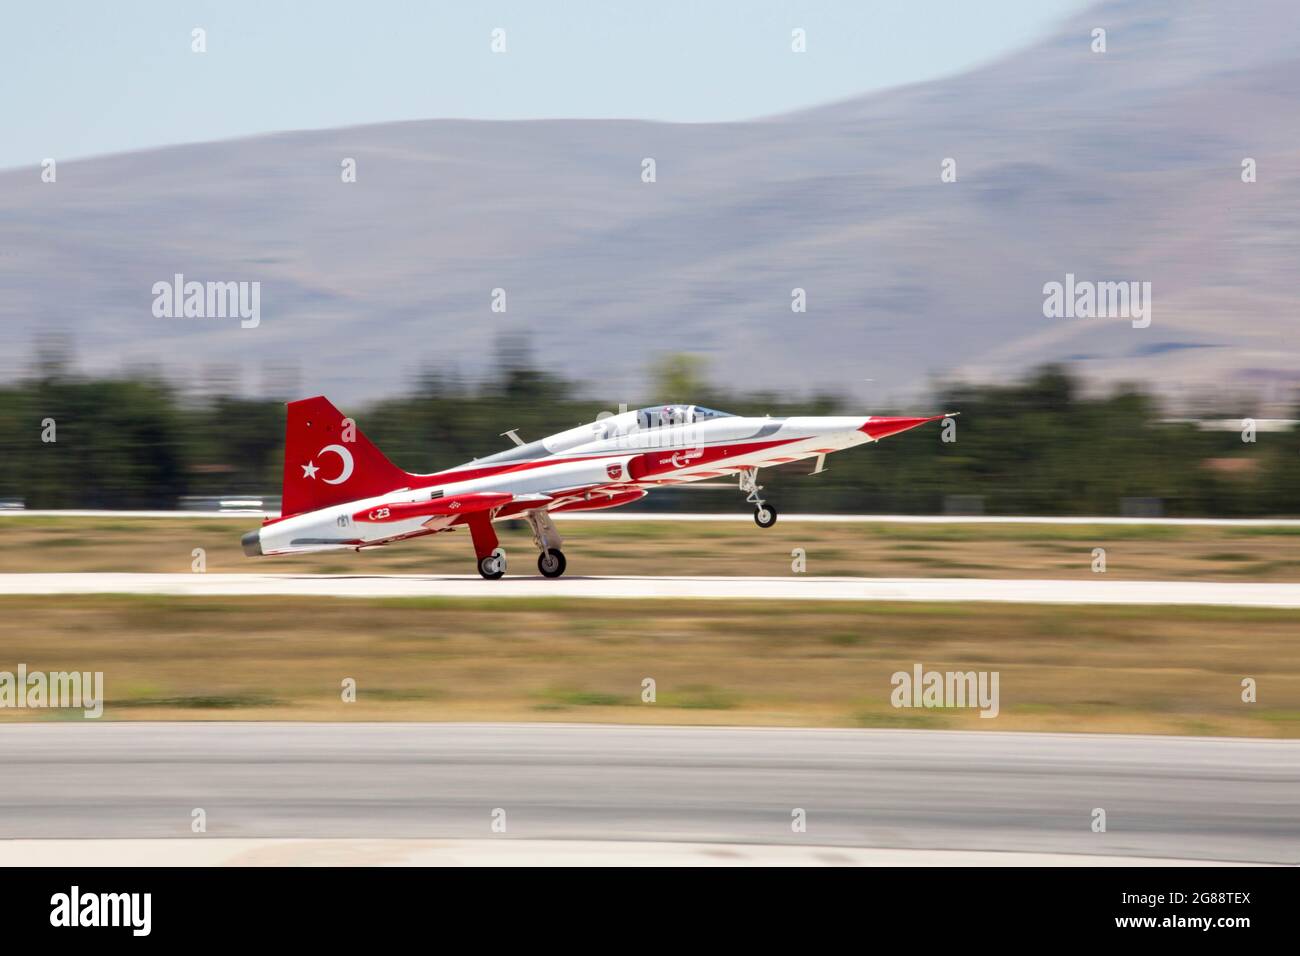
[327, 460]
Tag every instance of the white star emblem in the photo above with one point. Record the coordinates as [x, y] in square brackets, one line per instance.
[309, 470]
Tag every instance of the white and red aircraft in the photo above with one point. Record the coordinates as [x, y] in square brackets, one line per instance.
[340, 492]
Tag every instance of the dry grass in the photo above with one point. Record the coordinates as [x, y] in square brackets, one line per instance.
[599, 548]
[1117, 669]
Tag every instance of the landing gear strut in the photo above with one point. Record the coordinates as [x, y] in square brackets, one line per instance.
[491, 556]
[764, 514]
[550, 562]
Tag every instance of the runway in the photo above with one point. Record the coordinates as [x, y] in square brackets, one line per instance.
[269, 851]
[793, 587]
[743, 517]
[1164, 797]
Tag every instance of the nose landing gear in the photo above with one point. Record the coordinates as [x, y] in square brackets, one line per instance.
[764, 514]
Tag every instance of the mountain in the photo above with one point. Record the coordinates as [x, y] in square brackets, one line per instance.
[1116, 166]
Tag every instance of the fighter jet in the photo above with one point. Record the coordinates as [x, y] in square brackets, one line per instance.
[341, 493]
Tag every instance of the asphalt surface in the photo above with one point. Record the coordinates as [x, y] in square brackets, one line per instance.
[736, 515]
[1166, 797]
[791, 587]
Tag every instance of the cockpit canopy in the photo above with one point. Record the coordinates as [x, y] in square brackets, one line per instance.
[605, 429]
[657, 416]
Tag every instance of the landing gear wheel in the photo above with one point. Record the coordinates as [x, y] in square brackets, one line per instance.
[764, 514]
[551, 563]
[493, 567]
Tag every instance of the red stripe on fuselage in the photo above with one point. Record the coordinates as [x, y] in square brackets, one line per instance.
[644, 464]
[662, 463]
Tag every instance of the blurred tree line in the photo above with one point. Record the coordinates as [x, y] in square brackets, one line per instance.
[1038, 446]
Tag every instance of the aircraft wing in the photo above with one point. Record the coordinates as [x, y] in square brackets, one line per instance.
[449, 506]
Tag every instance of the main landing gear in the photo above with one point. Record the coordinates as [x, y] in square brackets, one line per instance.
[493, 567]
[550, 562]
[492, 557]
[764, 514]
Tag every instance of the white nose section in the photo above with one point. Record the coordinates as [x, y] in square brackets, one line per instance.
[828, 424]
[827, 431]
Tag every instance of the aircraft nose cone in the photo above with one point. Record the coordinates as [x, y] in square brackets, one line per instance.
[882, 426]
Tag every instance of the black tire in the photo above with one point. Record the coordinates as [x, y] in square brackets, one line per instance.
[765, 516]
[551, 563]
[493, 567]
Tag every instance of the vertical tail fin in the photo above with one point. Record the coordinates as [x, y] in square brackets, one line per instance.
[327, 460]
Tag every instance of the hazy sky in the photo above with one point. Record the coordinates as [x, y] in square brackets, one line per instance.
[83, 77]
